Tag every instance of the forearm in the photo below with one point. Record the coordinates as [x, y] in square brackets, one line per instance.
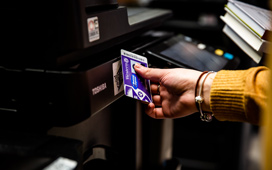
[239, 95]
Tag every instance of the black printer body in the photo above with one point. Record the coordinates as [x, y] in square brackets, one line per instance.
[65, 51]
[61, 83]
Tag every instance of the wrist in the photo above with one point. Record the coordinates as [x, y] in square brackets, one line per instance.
[206, 92]
[202, 98]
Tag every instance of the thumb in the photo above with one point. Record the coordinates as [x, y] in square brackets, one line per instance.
[149, 73]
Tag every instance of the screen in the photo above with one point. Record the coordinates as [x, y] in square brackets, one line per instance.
[190, 54]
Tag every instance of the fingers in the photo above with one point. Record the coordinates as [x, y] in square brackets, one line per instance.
[149, 73]
[154, 112]
[154, 75]
[157, 100]
[154, 88]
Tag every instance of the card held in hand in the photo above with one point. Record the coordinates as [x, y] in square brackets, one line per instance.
[134, 85]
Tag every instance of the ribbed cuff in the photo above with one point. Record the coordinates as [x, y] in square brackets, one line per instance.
[227, 96]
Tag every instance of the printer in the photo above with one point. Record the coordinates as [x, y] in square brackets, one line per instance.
[61, 99]
[63, 63]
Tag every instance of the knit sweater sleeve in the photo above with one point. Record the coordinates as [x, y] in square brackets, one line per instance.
[239, 95]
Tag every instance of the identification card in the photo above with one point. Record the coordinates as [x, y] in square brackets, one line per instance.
[134, 85]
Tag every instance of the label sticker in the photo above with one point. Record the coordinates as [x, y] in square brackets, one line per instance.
[93, 29]
[134, 85]
[118, 84]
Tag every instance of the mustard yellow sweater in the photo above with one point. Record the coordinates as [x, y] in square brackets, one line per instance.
[242, 96]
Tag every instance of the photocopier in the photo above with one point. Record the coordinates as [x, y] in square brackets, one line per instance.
[60, 98]
[61, 101]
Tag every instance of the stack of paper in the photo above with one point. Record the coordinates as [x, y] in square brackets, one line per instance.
[248, 26]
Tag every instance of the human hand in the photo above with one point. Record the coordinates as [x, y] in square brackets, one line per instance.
[177, 91]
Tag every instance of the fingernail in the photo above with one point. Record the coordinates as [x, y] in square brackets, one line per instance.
[137, 65]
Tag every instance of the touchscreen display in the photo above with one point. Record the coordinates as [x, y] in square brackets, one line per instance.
[189, 54]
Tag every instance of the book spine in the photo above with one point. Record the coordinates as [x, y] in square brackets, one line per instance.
[230, 11]
[243, 7]
[242, 44]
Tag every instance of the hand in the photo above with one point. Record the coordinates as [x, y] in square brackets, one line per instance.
[177, 91]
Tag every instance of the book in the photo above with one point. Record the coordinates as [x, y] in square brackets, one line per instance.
[255, 55]
[245, 33]
[257, 19]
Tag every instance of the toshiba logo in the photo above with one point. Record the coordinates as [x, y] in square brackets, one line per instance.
[99, 88]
